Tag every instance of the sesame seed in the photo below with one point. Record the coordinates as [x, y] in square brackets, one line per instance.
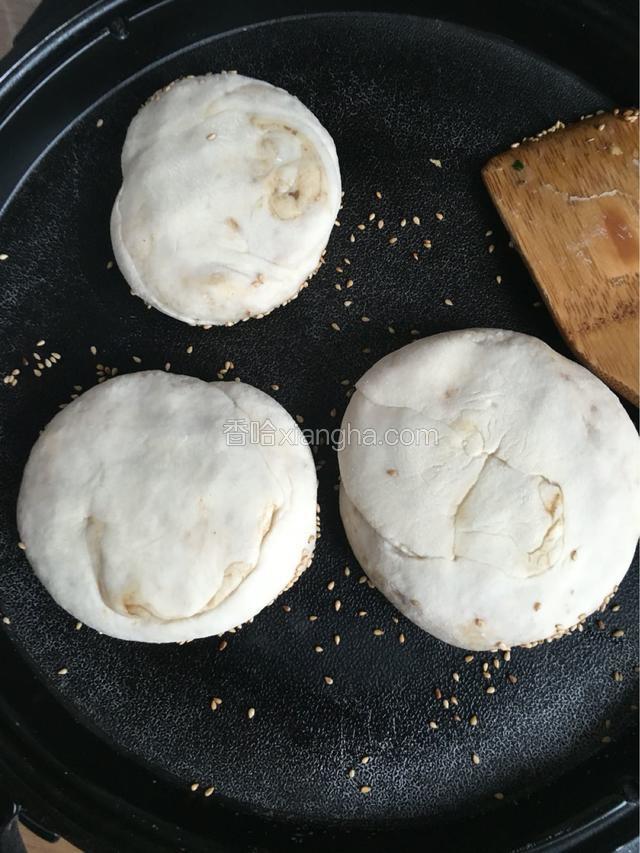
[336, 639]
[286, 608]
[194, 786]
[328, 679]
[167, 366]
[300, 419]
[491, 248]
[617, 633]
[335, 327]
[380, 224]
[433, 725]
[473, 720]
[490, 689]
[4, 256]
[37, 372]
[448, 302]
[415, 220]
[488, 233]
[499, 795]
[439, 216]
[222, 645]
[337, 604]
[499, 279]
[455, 676]
[435, 162]
[347, 570]
[251, 713]
[22, 546]
[365, 319]
[364, 759]
[361, 227]
[313, 618]
[365, 789]
[208, 791]
[331, 585]
[507, 655]
[403, 222]
[468, 658]
[63, 671]
[437, 693]
[475, 758]
[352, 238]
[318, 649]
[601, 126]
[391, 330]
[600, 625]
[100, 122]
[378, 632]
[78, 626]
[351, 773]
[6, 620]
[137, 359]
[426, 244]
[512, 678]
[402, 639]
[617, 676]
[392, 240]
[415, 256]
[211, 136]
[362, 613]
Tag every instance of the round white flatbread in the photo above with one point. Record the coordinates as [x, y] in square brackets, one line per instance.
[508, 510]
[163, 508]
[230, 190]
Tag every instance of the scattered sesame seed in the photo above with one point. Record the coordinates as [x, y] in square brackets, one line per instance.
[63, 671]
[351, 773]
[365, 789]
[222, 645]
[435, 162]
[347, 570]
[473, 720]
[437, 693]
[93, 350]
[211, 136]
[300, 419]
[488, 233]
[381, 224]
[499, 795]
[512, 678]
[618, 676]
[328, 679]
[100, 122]
[378, 632]
[378, 194]
[313, 618]
[426, 244]
[336, 639]
[617, 633]
[40, 343]
[475, 758]
[37, 372]
[167, 366]
[318, 649]
[194, 786]
[78, 626]
[364, 759]
[251, 713]
[490, 689]
[415, 256]
[455, 676]
[137, 359]
[208, 791]
[439, 216]
[335, 327]
[352, 238]
[401, 639]
[415, 220]
[337, 604]
[4, 256]
[403, 222]
[286, 608]
[448, 302]
[365, 319]
[361, 227]
[6, 620]
[392, 240]
[491, 248]
[22, 546]
[468, 658]
[601, 126]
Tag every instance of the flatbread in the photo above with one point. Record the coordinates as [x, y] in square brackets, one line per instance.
[230, 190]
[517, 514]
[162, 508]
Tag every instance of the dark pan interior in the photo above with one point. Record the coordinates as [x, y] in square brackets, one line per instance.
[393, 91]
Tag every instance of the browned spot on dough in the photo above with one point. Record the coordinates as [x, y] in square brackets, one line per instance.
[537, 605]
[479, 622]
[392, 472]
[232, 223]
[573, 554]
[450, 392]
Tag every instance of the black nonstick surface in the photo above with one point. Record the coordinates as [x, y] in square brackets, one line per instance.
[393, 91]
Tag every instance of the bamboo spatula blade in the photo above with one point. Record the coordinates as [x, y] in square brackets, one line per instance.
[570, 201]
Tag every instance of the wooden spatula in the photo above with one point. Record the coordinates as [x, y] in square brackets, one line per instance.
[570, 201]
